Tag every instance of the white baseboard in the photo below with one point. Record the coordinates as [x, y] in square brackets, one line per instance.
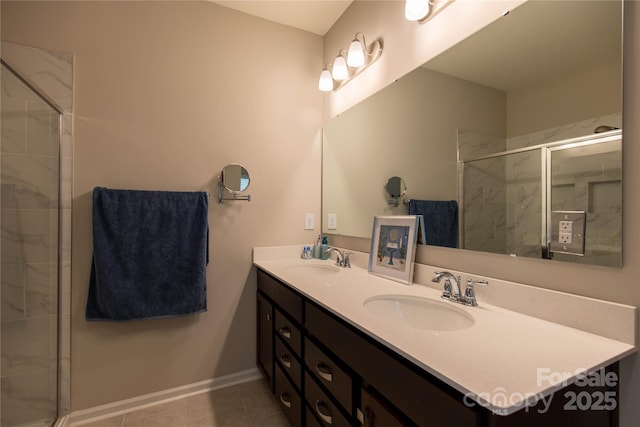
[141, 402]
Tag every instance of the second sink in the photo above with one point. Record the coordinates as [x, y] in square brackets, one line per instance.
[421, 313]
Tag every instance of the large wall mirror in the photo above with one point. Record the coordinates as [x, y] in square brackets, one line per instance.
[476, 125]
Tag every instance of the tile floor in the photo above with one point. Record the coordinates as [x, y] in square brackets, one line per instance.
[250, 404]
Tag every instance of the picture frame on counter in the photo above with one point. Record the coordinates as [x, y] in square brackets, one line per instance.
[393, 246]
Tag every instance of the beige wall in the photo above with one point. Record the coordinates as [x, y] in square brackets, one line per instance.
[166, 94]
[158, 107]
[588, 92]
[409, 129]
[403, 52]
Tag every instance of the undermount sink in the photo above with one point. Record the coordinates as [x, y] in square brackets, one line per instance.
[420, 313]
[316, 269]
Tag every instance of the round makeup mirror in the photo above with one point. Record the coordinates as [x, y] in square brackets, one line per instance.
[395, 187]
[235, 178]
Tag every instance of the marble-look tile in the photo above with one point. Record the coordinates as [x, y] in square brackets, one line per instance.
[13, 293]
[64, 395]
[26, 236]
[65, 182]
[42, 125]
[27, 398]
[41, 289]
[65, 338]
[29, 182]
[50, 71]
[66, 143]
[65, 236]
[26, 345]
[65, 287]
[14, 125]
[474, 144]
[12, 87]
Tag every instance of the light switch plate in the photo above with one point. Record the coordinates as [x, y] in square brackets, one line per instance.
[332, 221]
[309, 221]
[567, 232]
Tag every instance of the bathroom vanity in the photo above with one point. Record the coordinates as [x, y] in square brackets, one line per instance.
[333, 359]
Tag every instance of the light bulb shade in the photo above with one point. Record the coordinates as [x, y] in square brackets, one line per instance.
[415, 10]
[355, 56]
[326, 82]
[339, 70]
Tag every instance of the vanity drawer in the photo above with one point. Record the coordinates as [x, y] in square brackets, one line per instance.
[311, 420]
[422, 398]
[322, 405]
[283, 296]
[288, 331]
[288, 398]
[329, 374]
[288, 362]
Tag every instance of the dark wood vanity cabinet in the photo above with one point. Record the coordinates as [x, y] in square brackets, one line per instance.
[325, 372]
[264, 318]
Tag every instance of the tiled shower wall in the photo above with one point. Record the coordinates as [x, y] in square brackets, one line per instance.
[514, 181]
[52, 73]
[30, 167]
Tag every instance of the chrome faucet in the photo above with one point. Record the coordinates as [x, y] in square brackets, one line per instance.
[469, 297]
[448, 291]
[342, 258]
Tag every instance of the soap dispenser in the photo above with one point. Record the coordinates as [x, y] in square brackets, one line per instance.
[324, 248]
[316, 249]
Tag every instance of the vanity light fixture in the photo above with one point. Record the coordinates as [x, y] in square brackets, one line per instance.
[417, 10]
[326, 81]
[358, 58]
[339, 71]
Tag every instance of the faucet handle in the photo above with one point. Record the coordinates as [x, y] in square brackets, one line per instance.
[470, 293]
[347, 259]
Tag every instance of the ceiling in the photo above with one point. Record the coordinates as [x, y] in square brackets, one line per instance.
[315, 16]
[537, 40]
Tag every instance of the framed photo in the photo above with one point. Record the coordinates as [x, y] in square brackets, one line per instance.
[393, 247]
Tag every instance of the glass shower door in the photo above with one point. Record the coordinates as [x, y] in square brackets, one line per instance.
[29, 249]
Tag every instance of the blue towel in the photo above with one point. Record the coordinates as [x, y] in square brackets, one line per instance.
[440, 220]
[150, 253]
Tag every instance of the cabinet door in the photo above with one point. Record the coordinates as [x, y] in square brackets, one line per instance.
[374, 413]
[265, 339]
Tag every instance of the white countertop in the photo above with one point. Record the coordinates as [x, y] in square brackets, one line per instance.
[503, 361]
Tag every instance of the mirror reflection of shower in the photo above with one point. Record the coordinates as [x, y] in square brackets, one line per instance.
[508, 195]
[30, 261]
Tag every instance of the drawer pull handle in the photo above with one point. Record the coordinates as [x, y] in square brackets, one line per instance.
[286, 361]
[286, 332]
[324, 413]
[324, 371]
[268, 318]
[284, 399]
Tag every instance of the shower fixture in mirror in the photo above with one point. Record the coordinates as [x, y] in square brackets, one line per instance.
[474, 125]
[233, 180]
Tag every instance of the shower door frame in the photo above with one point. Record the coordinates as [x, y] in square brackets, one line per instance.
[545, 178]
